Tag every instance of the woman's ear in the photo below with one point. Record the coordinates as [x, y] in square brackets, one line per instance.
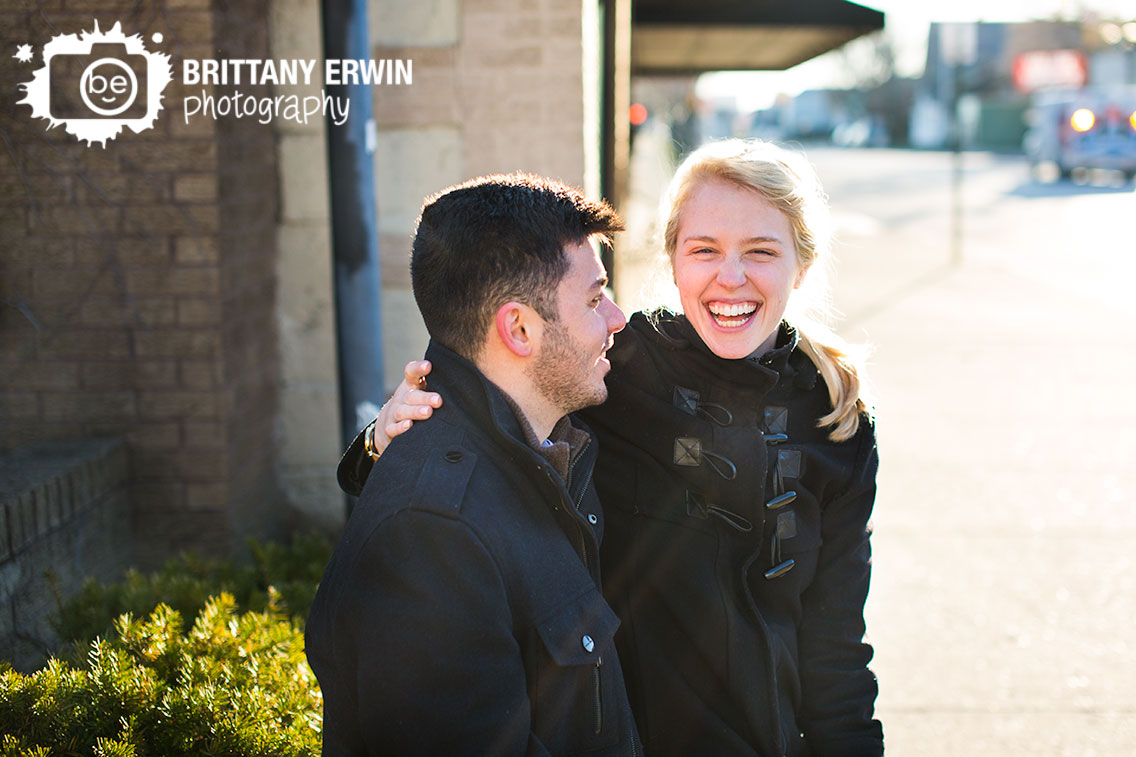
[800, 277]
[517, 328]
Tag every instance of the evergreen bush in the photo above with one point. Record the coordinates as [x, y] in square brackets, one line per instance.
[234, 685]
[186, 582]
[135, 683]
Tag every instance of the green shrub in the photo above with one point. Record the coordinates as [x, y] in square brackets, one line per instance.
[186, 583]
[234, 685]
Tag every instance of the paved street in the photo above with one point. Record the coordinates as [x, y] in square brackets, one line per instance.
[1003, 595]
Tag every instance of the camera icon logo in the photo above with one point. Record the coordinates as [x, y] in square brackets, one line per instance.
[97, 83]
[107, 82]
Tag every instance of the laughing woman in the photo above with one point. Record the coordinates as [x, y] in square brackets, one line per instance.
[737, 473]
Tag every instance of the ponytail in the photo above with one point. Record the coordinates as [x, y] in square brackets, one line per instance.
[841, 365]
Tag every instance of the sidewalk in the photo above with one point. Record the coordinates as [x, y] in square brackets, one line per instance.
[1003, 592]
[1003, 600]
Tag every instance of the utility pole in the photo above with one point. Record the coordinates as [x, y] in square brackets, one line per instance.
[354, 224]
[958, 47]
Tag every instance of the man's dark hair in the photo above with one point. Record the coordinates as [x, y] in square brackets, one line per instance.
[492, 240]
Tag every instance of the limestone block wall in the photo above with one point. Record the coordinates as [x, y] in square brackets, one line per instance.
[499, 85]
[308, 421]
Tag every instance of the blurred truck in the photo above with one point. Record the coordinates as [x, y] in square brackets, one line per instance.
[1086, 128]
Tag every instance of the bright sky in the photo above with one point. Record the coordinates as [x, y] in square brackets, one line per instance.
[905, 23]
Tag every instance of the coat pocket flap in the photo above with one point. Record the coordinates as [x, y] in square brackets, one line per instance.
[579, 631]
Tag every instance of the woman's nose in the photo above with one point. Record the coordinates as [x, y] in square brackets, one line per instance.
[731, 272]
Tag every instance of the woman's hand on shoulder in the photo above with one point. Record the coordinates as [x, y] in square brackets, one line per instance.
[410, 402]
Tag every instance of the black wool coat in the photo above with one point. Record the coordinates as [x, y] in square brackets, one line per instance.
[737, 551]
[461, 612]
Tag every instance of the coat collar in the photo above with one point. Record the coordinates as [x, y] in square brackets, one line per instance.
[471, 401]
[775, 359]
[487, 408]
[695, 361]
[464, 387]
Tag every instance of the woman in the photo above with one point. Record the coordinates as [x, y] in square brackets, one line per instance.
[737, 472]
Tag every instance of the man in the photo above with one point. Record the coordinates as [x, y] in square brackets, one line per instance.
[461, 612]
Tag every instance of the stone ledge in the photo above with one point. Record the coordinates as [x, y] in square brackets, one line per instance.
[65, 516]
[44, 486]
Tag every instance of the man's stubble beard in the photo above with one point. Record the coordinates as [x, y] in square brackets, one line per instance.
[562, 372]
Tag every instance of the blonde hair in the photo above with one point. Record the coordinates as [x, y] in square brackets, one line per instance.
[788, 182]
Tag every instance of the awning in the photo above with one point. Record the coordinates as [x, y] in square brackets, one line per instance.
[693, 36]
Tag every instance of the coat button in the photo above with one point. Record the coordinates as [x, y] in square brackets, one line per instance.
[453, 455]
[779, 570]
[593, 519]
[587, 643]
[781, 500]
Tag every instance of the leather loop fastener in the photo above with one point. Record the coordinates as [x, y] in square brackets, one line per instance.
[690, 402]
[698, 507]
[688, 451]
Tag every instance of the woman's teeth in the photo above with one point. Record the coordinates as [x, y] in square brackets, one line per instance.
[732, 315]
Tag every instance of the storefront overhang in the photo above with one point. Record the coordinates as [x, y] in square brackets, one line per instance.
[693, 36]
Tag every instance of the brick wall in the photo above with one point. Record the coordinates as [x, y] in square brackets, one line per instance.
[174, 287]
[137, 293]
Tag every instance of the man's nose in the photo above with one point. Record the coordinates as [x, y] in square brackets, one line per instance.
[616, 320]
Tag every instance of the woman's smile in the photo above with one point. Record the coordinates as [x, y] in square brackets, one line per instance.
[732, 315]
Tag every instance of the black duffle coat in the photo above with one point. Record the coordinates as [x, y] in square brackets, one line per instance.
[736, 549]
[461, 613]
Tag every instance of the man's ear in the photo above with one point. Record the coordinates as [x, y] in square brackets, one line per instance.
[517, 328]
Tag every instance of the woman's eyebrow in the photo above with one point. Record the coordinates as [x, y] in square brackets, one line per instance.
[750, 240]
